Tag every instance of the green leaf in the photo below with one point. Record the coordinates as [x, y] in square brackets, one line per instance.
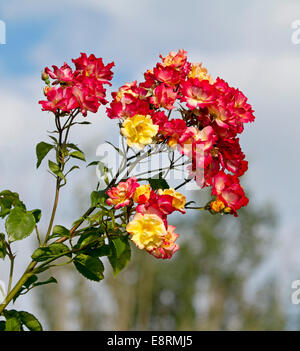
[30, 321]
[94, 163]
[60, 230]
[2, 325]
[30, 281]
[9, 199]
[19, 224]
[49, 281]
[157, 182]
[78, 154]
[5, 206]
[52, 251]
[120, 245]
[18, 293]
[54, 139]
[116, 148]
[73, 146]
[98, 197]
[13, 321]
[54, 168]
[72, 169]
[104, 250]
[89, 238]
[84, 123]
[37, 215]
[90, 267]
[120, 254]
[42, 150]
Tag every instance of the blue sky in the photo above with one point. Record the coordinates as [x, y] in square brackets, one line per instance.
[246, 43]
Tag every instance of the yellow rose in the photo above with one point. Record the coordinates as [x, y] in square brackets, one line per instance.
[139, 131]
[147, 231]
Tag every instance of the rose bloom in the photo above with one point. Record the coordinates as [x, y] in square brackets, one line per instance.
[139, 131]
[197, 93]
[176, 59]
[63, 74]
[163, 96]
[121, 195]
[200, 72]
[142, 194]
[228, 189]
[178, 200]
[168, 246]
[167, 74]
[173, 130]
[147, 231]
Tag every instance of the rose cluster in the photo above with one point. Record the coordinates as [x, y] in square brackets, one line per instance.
[82, 88]
[149, 228]
[210, 116]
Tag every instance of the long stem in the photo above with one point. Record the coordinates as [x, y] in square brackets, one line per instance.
[53, 211]
[11, 272]
[27, 274]
[38, 235]
[69, 126]
[29, 270]
[2, 291]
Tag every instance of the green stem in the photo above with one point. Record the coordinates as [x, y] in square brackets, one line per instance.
[53, 211]
[38, 235]
[2, 291]
[27, 274]
[11, 272]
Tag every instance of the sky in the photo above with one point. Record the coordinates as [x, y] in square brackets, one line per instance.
[249, 44]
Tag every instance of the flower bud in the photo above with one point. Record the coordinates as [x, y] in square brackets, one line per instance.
[45, 76]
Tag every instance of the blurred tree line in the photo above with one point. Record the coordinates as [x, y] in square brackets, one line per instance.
[204, 287]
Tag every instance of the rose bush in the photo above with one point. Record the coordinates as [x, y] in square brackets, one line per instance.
[178, 109]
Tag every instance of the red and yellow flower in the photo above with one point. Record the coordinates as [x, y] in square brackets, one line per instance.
[121, 195]
[142, 194]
